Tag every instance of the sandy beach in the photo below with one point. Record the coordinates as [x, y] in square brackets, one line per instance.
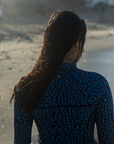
[20, 44]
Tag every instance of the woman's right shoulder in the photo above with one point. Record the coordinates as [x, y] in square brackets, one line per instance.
[92, 75]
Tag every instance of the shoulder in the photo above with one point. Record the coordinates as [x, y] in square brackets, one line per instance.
[97, 82]
[91, 75]
[93, 79]
[22, 93]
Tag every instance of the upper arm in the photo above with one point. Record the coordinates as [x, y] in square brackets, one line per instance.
[22, 126]
[105, 115]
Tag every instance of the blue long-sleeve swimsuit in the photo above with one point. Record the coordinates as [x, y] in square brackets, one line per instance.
[73, 102]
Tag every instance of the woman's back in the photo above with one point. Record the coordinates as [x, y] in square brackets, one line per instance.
[72, 103]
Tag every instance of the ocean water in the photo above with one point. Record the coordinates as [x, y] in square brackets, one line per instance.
[92, 3]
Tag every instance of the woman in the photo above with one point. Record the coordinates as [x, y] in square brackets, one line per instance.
[64, 101]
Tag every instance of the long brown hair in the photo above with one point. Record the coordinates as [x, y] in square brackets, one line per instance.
[62, 32]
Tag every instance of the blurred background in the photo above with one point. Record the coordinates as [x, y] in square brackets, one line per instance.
[22, 26]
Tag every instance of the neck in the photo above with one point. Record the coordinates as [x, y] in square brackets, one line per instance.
[67, 61]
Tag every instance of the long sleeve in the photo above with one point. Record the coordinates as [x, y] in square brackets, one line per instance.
[105, 115]
[22, 126]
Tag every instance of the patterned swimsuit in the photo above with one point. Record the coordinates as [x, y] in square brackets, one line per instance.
[73, 102]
